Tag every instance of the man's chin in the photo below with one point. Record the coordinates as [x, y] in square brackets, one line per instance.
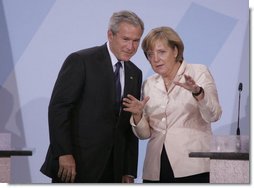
[126, 59]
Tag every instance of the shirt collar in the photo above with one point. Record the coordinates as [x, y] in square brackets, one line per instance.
[112, 56]
[182, 68]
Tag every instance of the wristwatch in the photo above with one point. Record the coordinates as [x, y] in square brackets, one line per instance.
[201, 90]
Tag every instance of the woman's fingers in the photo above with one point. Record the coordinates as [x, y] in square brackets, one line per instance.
[189, 84]
[133, 105]
[146, 99]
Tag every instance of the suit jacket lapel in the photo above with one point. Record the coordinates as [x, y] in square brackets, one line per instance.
[106, 61]
[105, 71]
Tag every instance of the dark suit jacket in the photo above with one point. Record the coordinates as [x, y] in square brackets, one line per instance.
[82, 120]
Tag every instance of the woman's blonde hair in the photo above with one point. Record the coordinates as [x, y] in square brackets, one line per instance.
[166, 34]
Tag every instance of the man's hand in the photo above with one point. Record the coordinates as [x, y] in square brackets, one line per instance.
[67, 168]
[127, 179]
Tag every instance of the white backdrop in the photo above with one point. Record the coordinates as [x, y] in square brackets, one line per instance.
[36, 36]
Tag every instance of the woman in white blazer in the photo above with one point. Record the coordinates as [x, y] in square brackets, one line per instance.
[179, 103]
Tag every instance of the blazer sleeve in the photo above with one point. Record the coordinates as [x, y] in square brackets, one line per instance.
[142, 129]
[65, 95]
[209, 107]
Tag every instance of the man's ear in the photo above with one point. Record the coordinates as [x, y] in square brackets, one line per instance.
[110, 35]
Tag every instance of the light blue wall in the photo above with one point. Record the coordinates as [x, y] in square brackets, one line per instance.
[36, 36]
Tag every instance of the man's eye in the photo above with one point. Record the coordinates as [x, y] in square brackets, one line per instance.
[125, 39]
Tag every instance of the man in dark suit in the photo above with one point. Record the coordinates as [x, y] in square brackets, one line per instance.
[90, 138]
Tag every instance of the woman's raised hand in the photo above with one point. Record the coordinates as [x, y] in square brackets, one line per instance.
[134, 106]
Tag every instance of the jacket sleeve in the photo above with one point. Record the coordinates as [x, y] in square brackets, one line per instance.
[64, 97]
[209, 106]
[142, 129]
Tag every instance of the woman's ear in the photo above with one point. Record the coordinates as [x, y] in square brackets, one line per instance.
[175, 51]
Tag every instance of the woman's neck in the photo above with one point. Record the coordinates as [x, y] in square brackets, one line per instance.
[168, 78]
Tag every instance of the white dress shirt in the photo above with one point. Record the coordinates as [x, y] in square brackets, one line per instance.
[177, 120]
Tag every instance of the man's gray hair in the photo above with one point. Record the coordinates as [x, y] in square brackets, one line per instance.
[124, 16]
